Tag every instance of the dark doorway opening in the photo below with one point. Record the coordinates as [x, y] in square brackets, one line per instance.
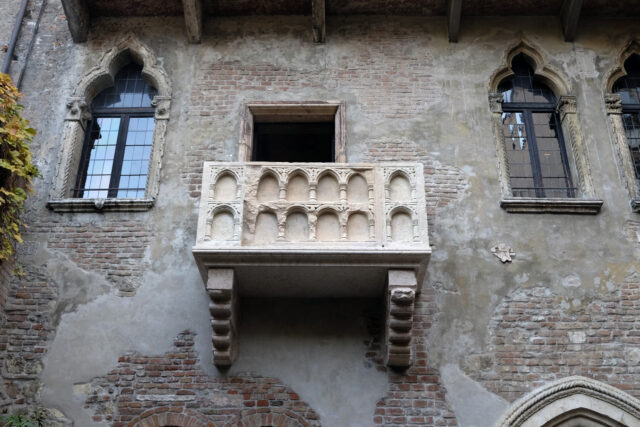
[293, 142]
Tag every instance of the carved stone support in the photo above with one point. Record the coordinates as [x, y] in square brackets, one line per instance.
[224, 312]
[399, 299]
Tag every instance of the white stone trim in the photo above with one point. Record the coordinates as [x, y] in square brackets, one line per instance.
[129, 49]
[572, 394]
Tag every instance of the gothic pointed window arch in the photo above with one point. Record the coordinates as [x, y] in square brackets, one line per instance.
[573, 402]
[542, 161]
[114, 134]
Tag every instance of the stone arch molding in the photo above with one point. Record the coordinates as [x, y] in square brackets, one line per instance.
[613, 107]
[100, 77]
[553, 78]
[586, 202]
[632, 47]
[563, 402]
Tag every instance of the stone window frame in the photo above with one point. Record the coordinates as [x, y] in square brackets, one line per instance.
[586, 201]
[295, 112]
[129, 49]
[613, 108]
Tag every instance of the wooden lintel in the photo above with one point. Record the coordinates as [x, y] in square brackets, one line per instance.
[318, 23]
[77, 13]
[193, 19]
[454, 15]
[569, 16]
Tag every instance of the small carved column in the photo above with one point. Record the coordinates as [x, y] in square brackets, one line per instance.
[399, 299]
[75, 125]
[571, 130]
[613, 103]
[495, 105]
[223, 308]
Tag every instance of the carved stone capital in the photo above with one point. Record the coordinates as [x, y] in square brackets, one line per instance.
[223, 308]
[400, 298]
[613, 103]
[78, 110]
[566, 105]
[162, 105]
[495, 102]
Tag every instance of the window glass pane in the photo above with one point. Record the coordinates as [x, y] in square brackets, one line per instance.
[98, 164]
[553, 170]
[130, 90]
[137, 153]
[629, 86]
[524, 86]
[518, 157]
[631, 123]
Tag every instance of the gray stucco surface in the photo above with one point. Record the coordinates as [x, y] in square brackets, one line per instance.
[318, 347]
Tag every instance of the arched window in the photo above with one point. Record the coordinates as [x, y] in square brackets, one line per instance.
[114, 134]
[117, 148]
[534, 144]
[629, 89]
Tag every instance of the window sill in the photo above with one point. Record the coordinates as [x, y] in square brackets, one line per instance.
[100, 205]
[635, 205]
[557, 206]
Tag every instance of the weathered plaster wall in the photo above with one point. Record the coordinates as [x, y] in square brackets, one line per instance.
[410, 94]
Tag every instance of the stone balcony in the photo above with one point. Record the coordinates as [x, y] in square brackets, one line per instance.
[310, 230]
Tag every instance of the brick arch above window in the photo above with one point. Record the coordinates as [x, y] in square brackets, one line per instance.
[270, 417]
[128, 50]
[585, 200]
[169, 420]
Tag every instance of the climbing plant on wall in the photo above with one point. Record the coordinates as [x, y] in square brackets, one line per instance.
[16, 169]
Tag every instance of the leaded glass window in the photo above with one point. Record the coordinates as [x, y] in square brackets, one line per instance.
[537, 158]
[629, 89]
[117, 149]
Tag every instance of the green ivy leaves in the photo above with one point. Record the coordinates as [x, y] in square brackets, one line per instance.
[16, 169]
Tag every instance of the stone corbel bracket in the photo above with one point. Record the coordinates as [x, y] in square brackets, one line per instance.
[399, 300]
[224, 313]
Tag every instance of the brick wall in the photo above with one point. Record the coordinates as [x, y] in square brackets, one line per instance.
[24, 335]
[536, 337]
[6, 269]
[379, 75]
[114, 248]
[443, 184]
[416, 396]
[174, 386]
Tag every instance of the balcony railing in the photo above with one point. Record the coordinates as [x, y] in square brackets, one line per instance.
[311, 230]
